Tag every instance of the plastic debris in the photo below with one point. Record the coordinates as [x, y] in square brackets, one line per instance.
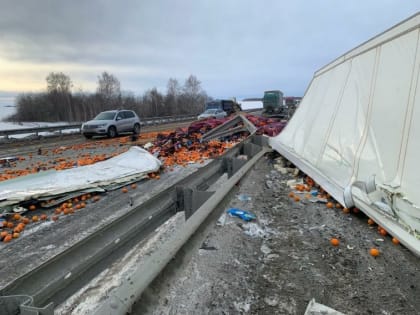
[244, 215]
[315, 308]
[244, 197]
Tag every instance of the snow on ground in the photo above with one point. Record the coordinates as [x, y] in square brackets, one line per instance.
[251, 104]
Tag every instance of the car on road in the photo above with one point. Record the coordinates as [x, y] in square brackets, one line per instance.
[111, 123]
[212, 113]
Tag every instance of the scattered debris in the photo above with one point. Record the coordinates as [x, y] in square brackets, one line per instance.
[244, 215]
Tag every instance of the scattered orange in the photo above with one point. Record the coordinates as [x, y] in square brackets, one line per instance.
[44, 217]
[16, 217]
[133, 186]
[78, 206]
[32, 207]
[124, 190]
[297, 199]
[25, 220]
[291, 194]
[15, 235]
[10, 225]
[54, 217]
[82, 205]
[5, 223]
[7, 238]
[383, 232]
[3, 234]
[334, 242]
[57, 211]
[330, 205]
[395, 241]
[346, 210]
[66, 211]
[96, 198]
[35, 218]
[371, 222]
[374, 252]
[338, 206]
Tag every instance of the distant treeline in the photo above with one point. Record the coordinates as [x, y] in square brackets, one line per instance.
[58, 103]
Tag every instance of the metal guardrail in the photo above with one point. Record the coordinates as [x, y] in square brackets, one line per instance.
[144, 122]
[62, 275]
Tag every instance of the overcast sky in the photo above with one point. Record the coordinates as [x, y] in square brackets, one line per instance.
[235, 48]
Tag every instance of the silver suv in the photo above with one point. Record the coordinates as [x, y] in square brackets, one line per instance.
[111, 123]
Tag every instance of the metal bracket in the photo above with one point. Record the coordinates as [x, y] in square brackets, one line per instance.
[193, 199]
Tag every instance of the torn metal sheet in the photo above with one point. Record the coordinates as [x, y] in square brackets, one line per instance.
[132, 165]
[230, 127]
[315, 308]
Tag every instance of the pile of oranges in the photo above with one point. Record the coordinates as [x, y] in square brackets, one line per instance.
[16, 223]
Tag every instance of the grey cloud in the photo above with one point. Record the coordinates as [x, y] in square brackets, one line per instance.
[234, 47]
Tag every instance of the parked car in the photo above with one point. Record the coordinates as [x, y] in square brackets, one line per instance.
[212, 113]
[111, 123]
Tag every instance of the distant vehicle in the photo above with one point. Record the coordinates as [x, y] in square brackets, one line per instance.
[273, 102]
[111, 123]
[229, 106]
[212, 113]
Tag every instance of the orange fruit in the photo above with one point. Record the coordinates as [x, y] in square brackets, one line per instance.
[4, 224]
[371, 222]
[25, 220]
[7, 238]
[133, 186]
[3, 234]
[124, 190]
[32, 207]
[383, 232]
[82, 205]
[334, 242]
[69, 205]
[44, 217]
[66, 211]
[291, 194]
[10, 225]
[374, 252]
[71, 210]
[338, 206]
[157, 177]
[35, 218]
[54, 217]
[329, 205]
[15, 235]
[297, 199]
[57, 211]
[78, 207]
[346, 210]
[16, 217]
[395, 241]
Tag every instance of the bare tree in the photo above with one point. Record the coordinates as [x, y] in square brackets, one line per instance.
[109, 90]
[59, 106]
[172, 94]
[58, 82]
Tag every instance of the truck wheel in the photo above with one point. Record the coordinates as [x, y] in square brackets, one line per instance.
[112, 132]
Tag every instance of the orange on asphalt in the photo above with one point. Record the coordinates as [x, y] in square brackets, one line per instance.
[334, 242]
[374, 252]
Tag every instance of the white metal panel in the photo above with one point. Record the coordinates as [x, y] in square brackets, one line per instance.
[349, 122]
[128, 166]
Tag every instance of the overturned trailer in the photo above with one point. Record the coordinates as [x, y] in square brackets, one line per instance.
[357, 128]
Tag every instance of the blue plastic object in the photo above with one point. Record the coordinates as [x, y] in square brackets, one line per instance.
[244, 215]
